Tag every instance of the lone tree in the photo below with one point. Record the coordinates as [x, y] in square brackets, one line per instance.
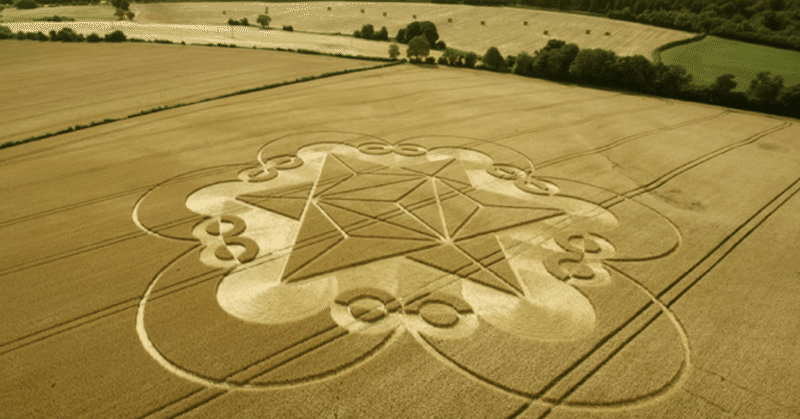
[493, 59]
[418, 48]
[263, 20]
[394, 51]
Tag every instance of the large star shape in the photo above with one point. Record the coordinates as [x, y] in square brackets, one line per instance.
[357, 212]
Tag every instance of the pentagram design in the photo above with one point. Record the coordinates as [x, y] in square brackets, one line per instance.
[325, 253]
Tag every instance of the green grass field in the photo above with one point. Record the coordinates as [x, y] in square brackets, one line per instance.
[713, 57]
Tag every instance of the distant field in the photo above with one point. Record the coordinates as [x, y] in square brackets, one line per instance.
[44, 84]
[79, 13]
[459, 26]
[713, 57]
[504, 27]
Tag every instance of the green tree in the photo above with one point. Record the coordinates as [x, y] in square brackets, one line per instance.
[124, 5]
[418, 48]
[451, 56]
[594, 66]
[116, 36]
[765, 89]
[470, 59]
[493, 59]
[721, 89]
[130, 15]
[426, 28]
[401, 36]
[263, 20]
[671, 80]
[522, 66]
[790, 99]
[635, 73]
[27, 4]
[367, 31]
[381, 35]
[394, 51]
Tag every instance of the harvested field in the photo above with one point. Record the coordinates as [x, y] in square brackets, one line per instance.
[203, 34]
[45, 85]
[459, 26]
[405, 242]
[503, 26]
[93, 13]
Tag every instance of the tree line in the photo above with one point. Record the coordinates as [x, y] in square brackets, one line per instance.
[64, 35]
[559, 61]
[767, 22]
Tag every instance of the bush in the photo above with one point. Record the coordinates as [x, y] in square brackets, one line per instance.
[493, 59]
[288, 28]
[93, 38]
[418, 48]
[440, 46]
[6, 33]
[27, 4]
[55, 18]
[116, 36]
[470, 59]
[430, 60]
[264, 20]
[442, 61]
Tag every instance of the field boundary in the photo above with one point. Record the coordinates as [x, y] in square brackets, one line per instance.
[657, 52]
[79, 127]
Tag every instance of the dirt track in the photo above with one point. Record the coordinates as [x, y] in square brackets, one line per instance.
[174, 264]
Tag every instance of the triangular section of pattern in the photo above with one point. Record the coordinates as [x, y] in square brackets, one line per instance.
[455, 173]
[387, 193]
[405, 220]
[421, 196]
[429, 168]
[502, 269]
[375, 209]
[303, 255]
[316, 226]
[482, 248]
[355, 251]
[380, 229]
[368, 182]
[357, 165]
[301, 191]
[498, 200]
[493, 219]
[456, 208]
[346, 220]
[444, 257]
[392, 170]
[484, 277]
[288, 207]
[333, 172]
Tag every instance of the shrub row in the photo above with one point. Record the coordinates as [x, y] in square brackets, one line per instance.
[55, 18]
[368, 32]
[64, 35]
[560, 61]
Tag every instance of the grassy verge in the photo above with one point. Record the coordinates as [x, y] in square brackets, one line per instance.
[180, 105]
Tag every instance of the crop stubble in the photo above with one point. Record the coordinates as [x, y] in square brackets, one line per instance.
[707, 187]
